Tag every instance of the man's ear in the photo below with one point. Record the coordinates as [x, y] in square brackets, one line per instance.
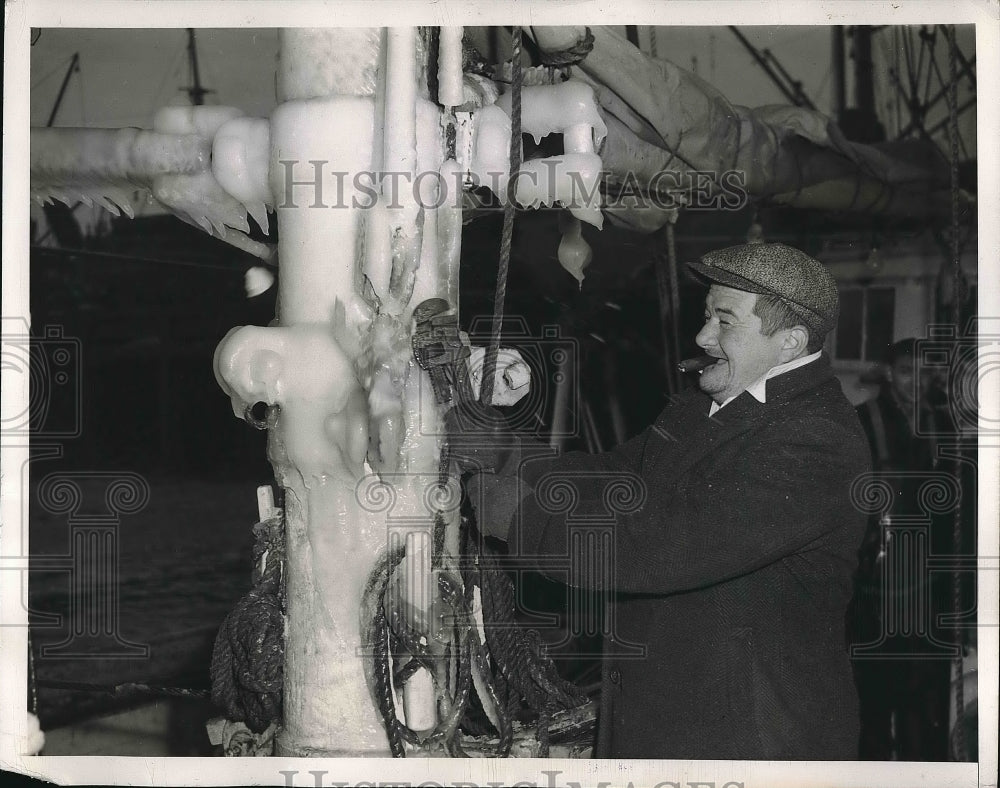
[795, 343]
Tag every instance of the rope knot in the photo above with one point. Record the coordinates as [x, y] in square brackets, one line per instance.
[248, 658]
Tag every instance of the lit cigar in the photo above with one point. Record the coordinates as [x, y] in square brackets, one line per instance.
[698, 363]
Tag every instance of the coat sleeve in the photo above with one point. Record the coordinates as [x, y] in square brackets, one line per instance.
[499, 498]
[769, 498]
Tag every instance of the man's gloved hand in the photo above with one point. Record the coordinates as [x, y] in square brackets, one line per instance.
[496, 500]
[481, 442]
[480, 439]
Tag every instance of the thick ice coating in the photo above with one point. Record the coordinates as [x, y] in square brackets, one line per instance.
[571, 179]
[554, 108]
[326, 431]
[200, 198]
[240, 156]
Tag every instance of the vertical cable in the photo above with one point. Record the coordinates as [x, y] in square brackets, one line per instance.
[958, 739]
[32, 681]
[490, 361]
[675, 305]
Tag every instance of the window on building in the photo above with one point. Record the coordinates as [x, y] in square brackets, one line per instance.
[864, 331]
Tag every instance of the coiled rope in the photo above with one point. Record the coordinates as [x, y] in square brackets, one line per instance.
[396, 642]
[249, 654]
[528, 673]
[511, 663]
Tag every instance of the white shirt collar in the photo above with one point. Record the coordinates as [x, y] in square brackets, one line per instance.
[758, 389]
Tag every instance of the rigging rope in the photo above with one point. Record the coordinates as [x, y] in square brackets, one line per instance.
[675, 303]
[32, 679]
[490, 360]
[249, 654]
[958, 738]
[392, 638]
[511, 663]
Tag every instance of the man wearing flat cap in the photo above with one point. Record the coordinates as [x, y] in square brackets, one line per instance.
[731, 567]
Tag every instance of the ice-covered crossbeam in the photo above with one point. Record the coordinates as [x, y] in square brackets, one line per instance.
[108, 166]
[236, 183]
[568, 108]
[207, 165]
[572, 179]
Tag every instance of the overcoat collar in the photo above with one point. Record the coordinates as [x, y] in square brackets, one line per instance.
[702, 433]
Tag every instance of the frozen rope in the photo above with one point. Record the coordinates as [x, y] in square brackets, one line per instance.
[249, 653]
[511, 662]
[518, 653]
[397, 642]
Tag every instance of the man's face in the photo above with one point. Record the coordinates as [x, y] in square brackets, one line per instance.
[732, 333]
[901, 379]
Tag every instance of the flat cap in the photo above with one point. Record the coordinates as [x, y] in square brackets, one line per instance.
[780, 270]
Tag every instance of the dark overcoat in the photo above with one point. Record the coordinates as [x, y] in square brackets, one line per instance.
[729, 548]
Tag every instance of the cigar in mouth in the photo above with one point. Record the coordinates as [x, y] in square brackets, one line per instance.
[697, 364]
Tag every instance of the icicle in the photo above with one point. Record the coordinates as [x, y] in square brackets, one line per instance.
[450, 89]
[575, 253]
[573, 180]
[257, 280]
[204, 224]
[240, 155]
[107, 205]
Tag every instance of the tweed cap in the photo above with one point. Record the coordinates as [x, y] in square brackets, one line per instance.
[795, 277]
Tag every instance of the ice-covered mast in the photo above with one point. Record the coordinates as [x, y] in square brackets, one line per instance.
[351, 401]
[356, 443]
[355, 433]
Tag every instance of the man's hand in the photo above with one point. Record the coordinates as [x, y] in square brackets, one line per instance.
[481, 442]
[496, 500]
[480, 439]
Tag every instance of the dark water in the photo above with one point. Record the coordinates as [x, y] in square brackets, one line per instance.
[148, 617]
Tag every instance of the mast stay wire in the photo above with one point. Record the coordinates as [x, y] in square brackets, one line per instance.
[958, 737]
[57, 70]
